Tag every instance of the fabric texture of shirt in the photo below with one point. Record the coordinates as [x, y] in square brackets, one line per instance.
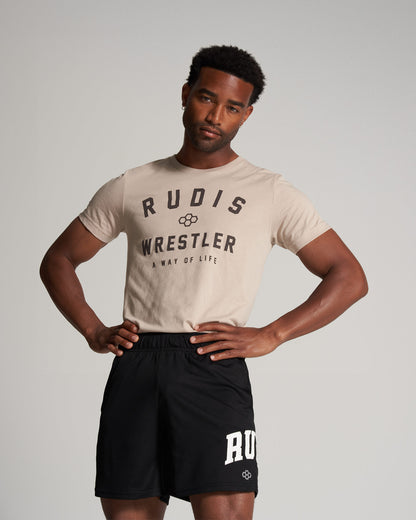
[198, 238]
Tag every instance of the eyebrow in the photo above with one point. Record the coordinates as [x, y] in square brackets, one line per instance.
[214, 95]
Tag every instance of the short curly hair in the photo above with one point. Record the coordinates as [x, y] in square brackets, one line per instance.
[232, 60]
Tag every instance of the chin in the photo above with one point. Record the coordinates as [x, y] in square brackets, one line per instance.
[208, 146]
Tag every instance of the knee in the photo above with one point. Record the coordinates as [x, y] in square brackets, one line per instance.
[140, 509]
[238, 515]
[223, 506]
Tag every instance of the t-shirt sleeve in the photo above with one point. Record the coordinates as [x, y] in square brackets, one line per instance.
[295, 221]
[104, 215]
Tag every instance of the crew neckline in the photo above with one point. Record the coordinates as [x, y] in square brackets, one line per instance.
[228, 166]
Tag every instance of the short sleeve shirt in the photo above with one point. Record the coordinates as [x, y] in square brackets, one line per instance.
[198, 238]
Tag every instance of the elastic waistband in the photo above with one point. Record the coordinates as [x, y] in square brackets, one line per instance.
[165, 341]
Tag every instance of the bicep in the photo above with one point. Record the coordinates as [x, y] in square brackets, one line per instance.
[326, 252]
[76, 243]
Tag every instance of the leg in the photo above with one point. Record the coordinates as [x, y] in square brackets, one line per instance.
[143, 509]
[226, 505]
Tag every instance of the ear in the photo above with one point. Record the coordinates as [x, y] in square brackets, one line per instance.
[186, 89]
[249, 110]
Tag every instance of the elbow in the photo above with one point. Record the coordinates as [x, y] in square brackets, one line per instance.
[364, 286]
[51, 262]
[44, 267]
[358, 283]
[352, 281]
[362, 289]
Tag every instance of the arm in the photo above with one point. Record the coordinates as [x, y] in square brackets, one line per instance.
[343, 283]
[73, 247]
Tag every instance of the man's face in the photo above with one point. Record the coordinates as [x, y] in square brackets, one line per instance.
[215, 108]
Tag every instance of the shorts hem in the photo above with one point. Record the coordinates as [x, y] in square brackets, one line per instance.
[180, 494]
[185, 494]
[147, 493]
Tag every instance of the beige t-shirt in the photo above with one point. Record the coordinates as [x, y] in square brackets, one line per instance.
[198, 238]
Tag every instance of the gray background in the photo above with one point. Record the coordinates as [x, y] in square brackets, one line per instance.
[91, 88]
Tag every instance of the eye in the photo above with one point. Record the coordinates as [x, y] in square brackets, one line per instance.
[205, 99]
[233, 109]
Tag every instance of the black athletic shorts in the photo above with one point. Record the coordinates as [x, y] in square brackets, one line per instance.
[174, 423]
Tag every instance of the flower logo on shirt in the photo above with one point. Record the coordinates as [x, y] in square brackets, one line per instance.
[188, 219]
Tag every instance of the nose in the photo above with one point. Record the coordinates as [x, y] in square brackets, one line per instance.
[214, 115]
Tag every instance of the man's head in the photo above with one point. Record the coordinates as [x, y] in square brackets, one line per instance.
[232, 60]
[222, 86]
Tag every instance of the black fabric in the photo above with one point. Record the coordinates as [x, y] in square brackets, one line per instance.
[165, 417]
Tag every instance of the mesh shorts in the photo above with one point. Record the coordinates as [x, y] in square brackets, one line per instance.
[175, 423]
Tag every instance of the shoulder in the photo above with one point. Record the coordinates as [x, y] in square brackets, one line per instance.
[281, 184]
[260, 172]
[149, 168]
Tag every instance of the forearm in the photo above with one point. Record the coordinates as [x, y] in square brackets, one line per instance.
[343, 283]
[62, 283]
[339, 289]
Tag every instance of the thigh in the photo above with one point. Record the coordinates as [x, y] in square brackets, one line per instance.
[143, 509]
[223, 506]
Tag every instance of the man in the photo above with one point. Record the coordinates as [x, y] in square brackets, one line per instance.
[177, 415]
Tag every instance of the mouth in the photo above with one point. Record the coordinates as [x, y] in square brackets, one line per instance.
[209, 132]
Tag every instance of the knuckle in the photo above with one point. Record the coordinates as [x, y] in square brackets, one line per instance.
[128, 325]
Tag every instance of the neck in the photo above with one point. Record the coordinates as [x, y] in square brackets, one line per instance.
[202, 160]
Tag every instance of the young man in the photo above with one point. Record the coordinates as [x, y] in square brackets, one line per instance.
[177, 416]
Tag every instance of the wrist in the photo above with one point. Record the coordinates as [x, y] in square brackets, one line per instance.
[276, 333]
[91, 332]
